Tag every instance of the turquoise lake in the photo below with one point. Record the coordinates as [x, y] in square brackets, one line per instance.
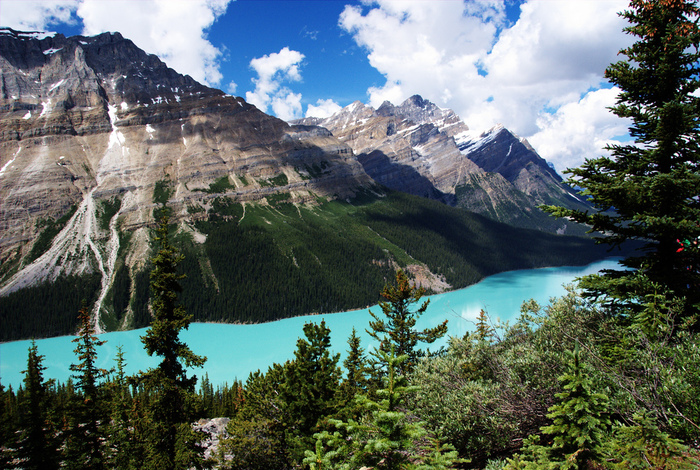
[233, 351]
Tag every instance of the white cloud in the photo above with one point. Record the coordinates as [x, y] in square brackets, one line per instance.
[37, 15]
[323, 109]
[579, 129]
[174, 30]
[287, 106]
[465, 56]
[231, 88]
[273, 70]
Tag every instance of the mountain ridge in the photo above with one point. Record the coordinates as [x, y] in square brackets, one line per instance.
[421, 149]
[97, 138]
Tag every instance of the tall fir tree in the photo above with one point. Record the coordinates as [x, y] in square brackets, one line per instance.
[397, 330]
[308, 393]
[648, 190]
[356, 381]
[37, 447]
[84, 448]
[172, 444]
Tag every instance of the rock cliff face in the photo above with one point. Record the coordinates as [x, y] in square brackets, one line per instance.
[421, 149]
[85, 119]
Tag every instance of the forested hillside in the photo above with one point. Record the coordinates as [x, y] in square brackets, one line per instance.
[330, 257]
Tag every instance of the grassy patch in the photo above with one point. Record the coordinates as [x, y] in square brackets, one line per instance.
[108, 208]
[163, 191]
[50, 228]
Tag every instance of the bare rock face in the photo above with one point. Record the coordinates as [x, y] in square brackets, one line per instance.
[421, 149]
[86, 119]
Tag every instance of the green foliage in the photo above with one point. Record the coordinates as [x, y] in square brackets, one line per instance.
[385, 437]
[356, 381]
[108, 208]
[172, 443]
[308, 392]
[85, 437]
[52, 306]
[579, 424]
[397, 332]
[50, 228]
[647, 190]
[485, 396]
[36, 444]
[163, 191]
[221, 185]
[643, 446]
[279, 180]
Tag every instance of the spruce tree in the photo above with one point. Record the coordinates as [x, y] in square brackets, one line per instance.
[579, 423]
[398, 330]
[308, 393]
[37, 444]
[385, 437]
[648, 190]
[356, 381]
[123, 445]
[172, 443]
[84, 447]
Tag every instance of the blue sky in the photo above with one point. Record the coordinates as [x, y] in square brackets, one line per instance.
[535, 67]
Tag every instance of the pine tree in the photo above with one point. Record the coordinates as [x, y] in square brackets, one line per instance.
[398, 331]
[644, 446]
[579, 423]
[385, 437]
[37, 446]
[84, 441]
[173, 391]
[308, 393]
[123, 445]
[356, 381]
[648, 190]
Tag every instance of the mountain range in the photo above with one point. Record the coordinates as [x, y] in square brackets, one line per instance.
[98, 139]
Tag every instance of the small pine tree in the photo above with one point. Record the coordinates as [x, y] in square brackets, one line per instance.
[645, 446]
[579, 424]
[36, 447]
[84, 446]
[385, 437]
[398, 331]
[356, 381]
[122, 443]
[308, 392]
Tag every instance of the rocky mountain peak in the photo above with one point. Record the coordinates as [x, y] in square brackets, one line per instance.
[420, 148]
[88, 120]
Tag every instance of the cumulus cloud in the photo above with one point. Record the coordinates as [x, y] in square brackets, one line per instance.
[322, 109]
[273, 71]
[579, 129]
[174, 30]
[466, 56]
[37, 15]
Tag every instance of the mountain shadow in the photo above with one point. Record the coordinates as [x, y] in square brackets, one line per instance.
[401, 177]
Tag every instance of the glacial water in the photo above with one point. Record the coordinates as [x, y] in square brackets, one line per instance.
[233, 351]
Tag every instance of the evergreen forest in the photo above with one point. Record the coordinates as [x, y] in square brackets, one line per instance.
[604, 377]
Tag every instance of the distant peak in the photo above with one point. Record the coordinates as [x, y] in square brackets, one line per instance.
[416, 100]
[39, 35]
